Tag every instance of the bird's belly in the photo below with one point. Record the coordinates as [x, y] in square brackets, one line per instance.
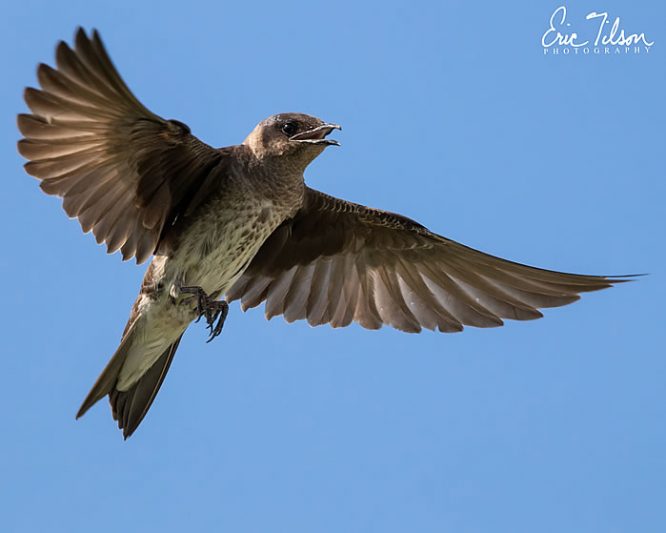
[214, 255]
[219, 269]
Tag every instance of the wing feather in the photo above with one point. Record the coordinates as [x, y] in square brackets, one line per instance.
[336, 262]
[114, 163]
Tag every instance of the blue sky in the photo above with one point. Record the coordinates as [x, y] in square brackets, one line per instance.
[452, 115]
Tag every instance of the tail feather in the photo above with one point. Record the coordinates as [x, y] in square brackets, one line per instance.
[130, 406]
[109, 376]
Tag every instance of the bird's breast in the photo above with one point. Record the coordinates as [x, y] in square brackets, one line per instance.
[215, 250]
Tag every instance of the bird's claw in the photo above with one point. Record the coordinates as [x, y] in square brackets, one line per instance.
[221, 309]
[214, 311]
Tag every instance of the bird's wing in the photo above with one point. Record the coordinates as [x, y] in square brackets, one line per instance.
[336, 262]
[123, 171]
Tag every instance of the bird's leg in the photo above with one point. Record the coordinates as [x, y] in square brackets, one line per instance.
[213, 310]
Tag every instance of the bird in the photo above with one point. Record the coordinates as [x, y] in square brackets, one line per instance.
[240, 223]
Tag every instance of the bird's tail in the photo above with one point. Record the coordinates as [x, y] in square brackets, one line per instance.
[131, 405]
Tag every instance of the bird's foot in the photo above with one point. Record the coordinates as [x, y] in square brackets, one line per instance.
[215, 311]
[220, 311]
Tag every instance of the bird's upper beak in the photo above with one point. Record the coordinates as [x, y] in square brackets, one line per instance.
[317, 135]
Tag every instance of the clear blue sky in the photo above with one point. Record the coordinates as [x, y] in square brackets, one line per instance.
[452, 115]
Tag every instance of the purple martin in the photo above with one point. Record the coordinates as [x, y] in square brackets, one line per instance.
[240, 222]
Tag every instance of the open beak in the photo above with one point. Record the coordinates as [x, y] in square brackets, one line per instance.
[317, 135]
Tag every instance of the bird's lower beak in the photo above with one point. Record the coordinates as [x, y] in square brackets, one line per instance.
[317, 135]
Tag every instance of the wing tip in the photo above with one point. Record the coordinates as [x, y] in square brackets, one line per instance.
[21, 147]
[62, 52]
[29, 93]
[23, 121]
[606, 282]
[80, 36]
[624, 278]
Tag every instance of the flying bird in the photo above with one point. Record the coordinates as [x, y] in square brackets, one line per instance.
[240, 222]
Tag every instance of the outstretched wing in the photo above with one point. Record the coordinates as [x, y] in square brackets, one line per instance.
[336, 262]
[124, 172]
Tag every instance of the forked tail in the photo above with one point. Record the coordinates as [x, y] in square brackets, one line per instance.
[129, 406]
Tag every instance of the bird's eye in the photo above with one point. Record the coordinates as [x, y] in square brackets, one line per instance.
[289, 128]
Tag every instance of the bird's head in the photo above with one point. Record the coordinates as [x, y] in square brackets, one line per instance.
[296, 136]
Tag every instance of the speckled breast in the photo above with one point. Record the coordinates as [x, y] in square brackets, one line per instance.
[215, 250]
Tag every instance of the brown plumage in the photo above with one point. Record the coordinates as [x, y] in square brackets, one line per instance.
[336, 262]
[121, 170]
[240, 221]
